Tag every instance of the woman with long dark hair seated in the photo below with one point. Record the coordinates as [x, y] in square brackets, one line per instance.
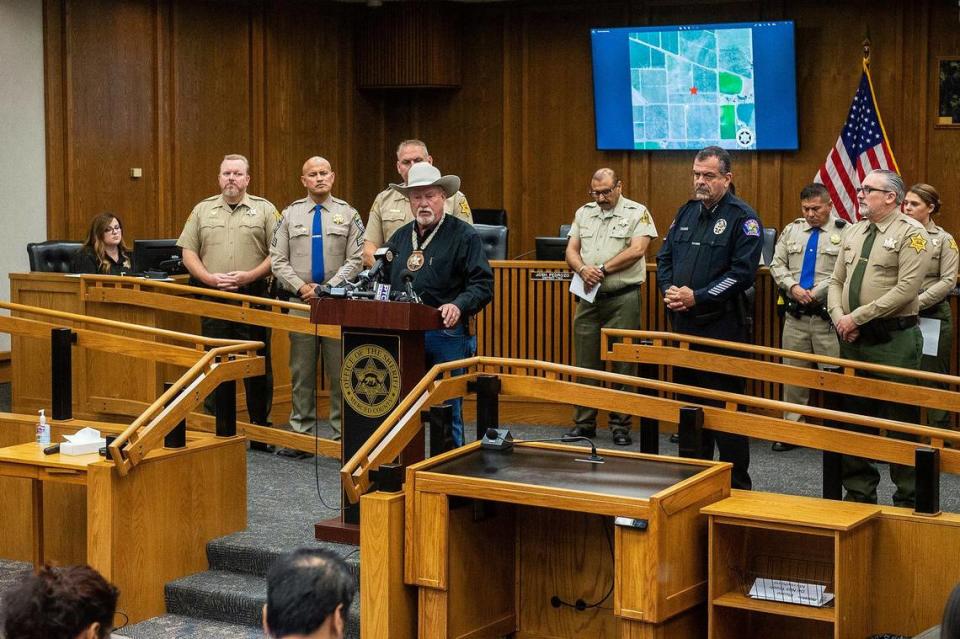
[103, 253]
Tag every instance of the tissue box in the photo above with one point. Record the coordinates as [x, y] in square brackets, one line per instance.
[83, 448]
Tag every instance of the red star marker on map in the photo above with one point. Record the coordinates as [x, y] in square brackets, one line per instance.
[693, 90]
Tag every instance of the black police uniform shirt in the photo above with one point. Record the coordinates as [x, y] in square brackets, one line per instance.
[455, 268]
[715, 252]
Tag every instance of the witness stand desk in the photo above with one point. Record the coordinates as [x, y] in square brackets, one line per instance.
[139, 531]
[496, 538]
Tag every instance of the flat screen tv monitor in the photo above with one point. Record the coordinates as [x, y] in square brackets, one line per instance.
[552, 248]
[156, 256]
[690, 86]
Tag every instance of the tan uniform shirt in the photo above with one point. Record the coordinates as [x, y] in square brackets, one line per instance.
[894, 270]
[291, 254]
[787, 263]
[941, 275]
[604, 234]
[391, 210]
[226, 240]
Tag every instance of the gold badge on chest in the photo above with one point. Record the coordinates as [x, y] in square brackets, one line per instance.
[415, 261]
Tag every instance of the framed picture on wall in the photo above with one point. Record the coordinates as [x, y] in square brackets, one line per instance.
[948, 100]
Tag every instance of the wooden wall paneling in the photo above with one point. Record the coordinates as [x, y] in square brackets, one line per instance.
[108, 117]
[943, 145]
[212, 99]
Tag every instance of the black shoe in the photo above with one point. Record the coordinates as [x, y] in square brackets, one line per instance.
[675, 438]
[292, 453]
[266, 448]
[582, 431]
[622, 438]
[782, 447]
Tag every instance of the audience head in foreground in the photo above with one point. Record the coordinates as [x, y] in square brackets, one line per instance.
[308, 594]
[73, 602]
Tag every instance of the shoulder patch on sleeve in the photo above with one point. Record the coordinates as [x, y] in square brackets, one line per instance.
[751, 228]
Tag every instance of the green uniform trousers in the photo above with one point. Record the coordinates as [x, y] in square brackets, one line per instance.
[939, 363]
[618, 311]
[860, 476]
[304, 351]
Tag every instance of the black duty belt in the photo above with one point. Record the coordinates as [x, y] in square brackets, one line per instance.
[602, 295]
[897, 323]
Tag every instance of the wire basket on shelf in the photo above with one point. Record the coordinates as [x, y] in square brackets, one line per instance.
[788, 580]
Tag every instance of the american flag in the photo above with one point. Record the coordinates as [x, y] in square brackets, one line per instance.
[861, 148]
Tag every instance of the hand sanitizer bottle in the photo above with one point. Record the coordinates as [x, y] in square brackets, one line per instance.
[43, 430]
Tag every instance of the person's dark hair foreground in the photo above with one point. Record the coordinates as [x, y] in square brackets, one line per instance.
[307, 589]
[60, 603]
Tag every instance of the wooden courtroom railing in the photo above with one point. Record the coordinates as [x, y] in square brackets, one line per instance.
[838, 376]
[553, 383]
[227, 360]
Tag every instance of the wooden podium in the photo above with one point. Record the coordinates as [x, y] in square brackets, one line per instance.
[383, 359]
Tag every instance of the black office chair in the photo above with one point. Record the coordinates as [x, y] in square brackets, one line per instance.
[769, 244]
[494, 240]
[490, 217]
[52, 256]
[564, 229]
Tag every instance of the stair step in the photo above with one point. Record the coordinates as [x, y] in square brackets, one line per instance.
[180, 627]
[218, 595]
[240, 553]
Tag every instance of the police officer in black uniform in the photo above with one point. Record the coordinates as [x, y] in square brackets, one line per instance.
[705, 270]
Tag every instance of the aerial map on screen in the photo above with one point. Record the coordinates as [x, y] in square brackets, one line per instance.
[692, 87]
[663, 88]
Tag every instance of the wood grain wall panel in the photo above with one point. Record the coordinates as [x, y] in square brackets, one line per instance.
[108, 123]
[200, 79]
[212, 99]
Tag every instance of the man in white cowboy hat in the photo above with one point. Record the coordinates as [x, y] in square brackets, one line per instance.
[444, 258]
[391, 209]
[317, 242]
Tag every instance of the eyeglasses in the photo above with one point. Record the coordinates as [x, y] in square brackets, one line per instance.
[867, 190]
[604, 193]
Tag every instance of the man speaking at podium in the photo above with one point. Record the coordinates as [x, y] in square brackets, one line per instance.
[440, 258]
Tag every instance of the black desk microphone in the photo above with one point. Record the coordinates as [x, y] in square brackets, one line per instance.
[501, 439]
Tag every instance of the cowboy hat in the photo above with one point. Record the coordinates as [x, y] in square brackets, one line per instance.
[425, 174]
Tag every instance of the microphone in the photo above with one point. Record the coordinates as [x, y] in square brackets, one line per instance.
[383, 256]
[407, 278]
[501, 439]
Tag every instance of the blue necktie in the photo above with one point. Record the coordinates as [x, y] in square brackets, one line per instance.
[809, 260]
[316, 248]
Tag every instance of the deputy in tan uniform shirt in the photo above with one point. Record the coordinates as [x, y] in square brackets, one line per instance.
[799, 256]
[226, 246]
[922, 203]
[873, 301]
[391, 209]
[608, 239]
[292, 255]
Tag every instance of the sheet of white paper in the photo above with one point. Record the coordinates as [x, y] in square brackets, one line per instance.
[930, 328]
[790, 592]
[578, 288]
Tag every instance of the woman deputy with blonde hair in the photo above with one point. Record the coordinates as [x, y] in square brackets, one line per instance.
[921, 203]
[103, 253]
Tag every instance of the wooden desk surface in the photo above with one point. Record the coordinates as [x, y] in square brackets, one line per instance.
[636, 477]
[31, 454]
[792, 510]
